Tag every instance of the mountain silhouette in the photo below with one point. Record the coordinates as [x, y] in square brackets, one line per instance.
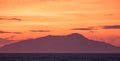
[5, 41]
[72, 43]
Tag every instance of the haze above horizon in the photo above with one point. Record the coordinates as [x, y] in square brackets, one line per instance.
[95, 19]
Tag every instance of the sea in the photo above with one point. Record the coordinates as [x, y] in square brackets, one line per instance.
[59, 57]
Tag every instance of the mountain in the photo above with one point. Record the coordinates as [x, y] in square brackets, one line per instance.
[73, 43]
[4, 41]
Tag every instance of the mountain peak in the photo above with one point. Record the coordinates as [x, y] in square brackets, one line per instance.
[73, 34]
[76, 35]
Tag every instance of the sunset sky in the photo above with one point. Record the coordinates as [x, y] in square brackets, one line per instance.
[95, 19]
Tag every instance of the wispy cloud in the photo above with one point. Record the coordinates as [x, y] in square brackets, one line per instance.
[92, 31]
[40, 30]
[15, 19]
[99, 27]
[82, 29]
[17, 32]
[111, 27]
[87, 28]
[4, 32]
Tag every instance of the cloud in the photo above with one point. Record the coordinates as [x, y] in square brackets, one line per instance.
[10, 37]
[40, 30]
[87, 28]
[99, 27]
[92, 31]
[111, 27]
[3, 32]
[17, 32]
[15, 19]
[81, 29]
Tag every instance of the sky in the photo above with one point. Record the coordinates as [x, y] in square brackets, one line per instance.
[95, 19]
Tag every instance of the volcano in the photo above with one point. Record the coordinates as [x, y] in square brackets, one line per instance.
[72, 43]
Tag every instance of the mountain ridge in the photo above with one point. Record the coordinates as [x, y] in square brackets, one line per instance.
[72, 43]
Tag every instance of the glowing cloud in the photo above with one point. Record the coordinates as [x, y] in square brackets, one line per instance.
[15, 19]
[99, 27]
[4, 32]
[40, 30]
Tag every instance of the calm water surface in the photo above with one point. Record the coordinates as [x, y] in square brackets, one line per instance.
[58, 57]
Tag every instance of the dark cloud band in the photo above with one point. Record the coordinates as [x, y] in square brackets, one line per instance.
[99, 27]
[11, 19]
[82, 29]
[4, 32]
[40, 30]
[112, 27]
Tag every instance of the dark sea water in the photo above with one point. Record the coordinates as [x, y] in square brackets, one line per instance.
[58, 57]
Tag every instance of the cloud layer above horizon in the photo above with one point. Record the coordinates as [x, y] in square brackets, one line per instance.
[4, 32]
[99, 27]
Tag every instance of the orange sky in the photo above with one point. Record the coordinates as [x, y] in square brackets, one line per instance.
[59, 17]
